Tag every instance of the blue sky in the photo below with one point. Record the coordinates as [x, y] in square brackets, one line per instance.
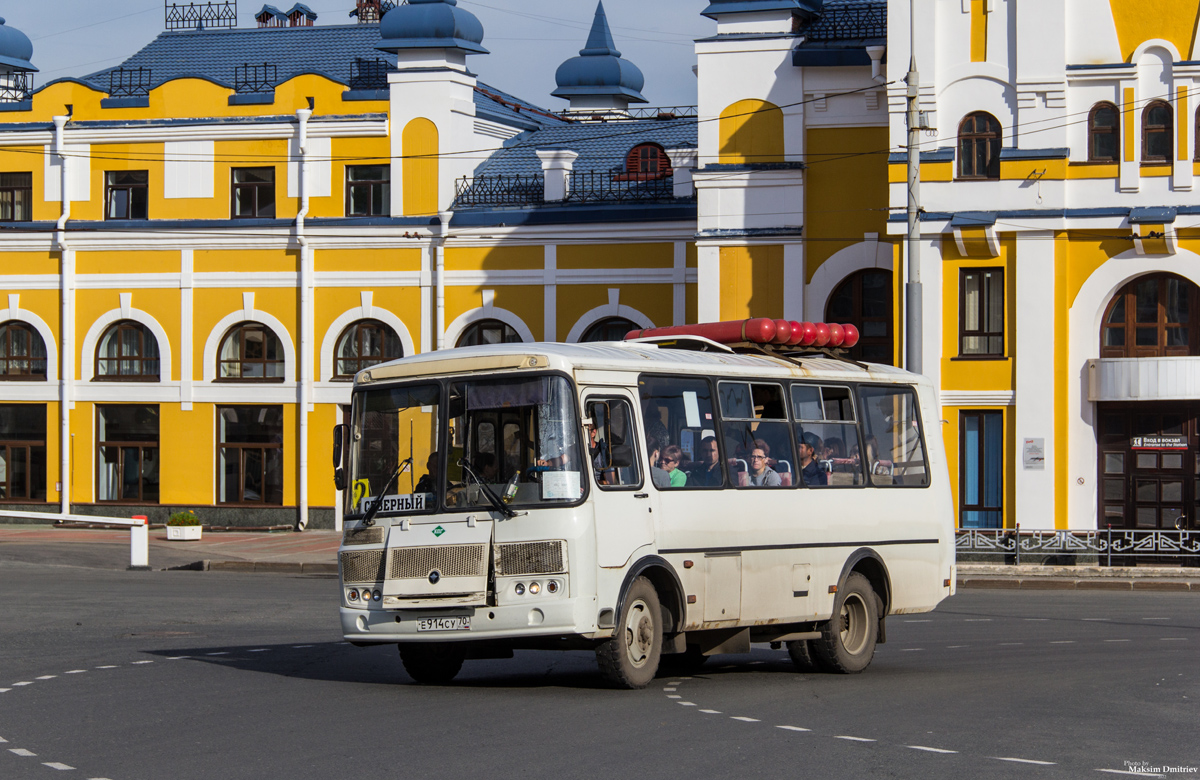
[528, 38]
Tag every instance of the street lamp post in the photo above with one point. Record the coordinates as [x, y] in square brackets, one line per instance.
[912, 289]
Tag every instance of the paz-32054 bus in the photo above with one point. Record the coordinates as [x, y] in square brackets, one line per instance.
[647, 500]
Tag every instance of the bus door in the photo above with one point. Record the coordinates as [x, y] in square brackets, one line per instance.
[623, 502]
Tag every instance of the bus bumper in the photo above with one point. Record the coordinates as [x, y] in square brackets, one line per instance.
[548, 617]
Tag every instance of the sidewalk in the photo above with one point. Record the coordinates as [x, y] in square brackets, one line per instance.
[1027, 577]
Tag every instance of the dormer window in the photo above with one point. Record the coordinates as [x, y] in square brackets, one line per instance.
[646, 162]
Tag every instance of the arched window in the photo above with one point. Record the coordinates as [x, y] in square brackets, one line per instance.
[250, 352]
[1104, 136]
[979, 138]
[364, 344]
[1151, 317]
[646, 162]
[608, 329]
[864, 300]
[1158, 129]
[128, 352]
[488, 332]
[22, 352]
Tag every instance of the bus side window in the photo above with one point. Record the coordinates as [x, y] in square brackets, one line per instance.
[757, 441]
[892, 426]
[678, 413]
[827, 437]
[612, 444]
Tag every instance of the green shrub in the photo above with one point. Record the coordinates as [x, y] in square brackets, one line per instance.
[184, 518]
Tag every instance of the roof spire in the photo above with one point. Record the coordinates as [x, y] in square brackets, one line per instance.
[600, 40]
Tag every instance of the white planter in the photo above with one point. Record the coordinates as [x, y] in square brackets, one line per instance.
[184, 533]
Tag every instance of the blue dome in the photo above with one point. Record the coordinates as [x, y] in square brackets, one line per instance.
[431, 24]
[806, 8]
[15, 48]
[599, 69]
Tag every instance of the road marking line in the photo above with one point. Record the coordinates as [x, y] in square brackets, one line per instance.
[792, 728]
[670, 690]
[110, 666]
[299, 647]
[1172, 639]
[744, 719]
[223, 652]
[177, 657]
[76, 671]
[711, 712]
[1036, 620]
[3, 740]
[5, 690]
[674, 696]
[855, 739]
[929, 749]
[918, 621]
[1094, 620]
[730, 666]
[56, 765]
[955, 647]
[1118, 640]
[48, 676]
[911, 649]
[685, 703]
[1024, 761]
[753, 663]
[978, 620]
[1063, 642]
[18, 685]
[261, 650]
[1010, 644]
[681, 678]
[135, 663]
[21, 752]
[1160, 618]
[1127, 772]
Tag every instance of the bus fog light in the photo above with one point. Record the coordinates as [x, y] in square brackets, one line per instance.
[552, 586]
[376, 596]
[353, 594]
[535, 588]
[519, 588]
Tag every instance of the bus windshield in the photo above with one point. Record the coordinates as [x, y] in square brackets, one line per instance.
[518, 436]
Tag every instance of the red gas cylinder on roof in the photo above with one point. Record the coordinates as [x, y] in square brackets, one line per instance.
[760, 330]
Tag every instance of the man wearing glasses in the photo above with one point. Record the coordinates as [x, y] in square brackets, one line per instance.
[762, 475]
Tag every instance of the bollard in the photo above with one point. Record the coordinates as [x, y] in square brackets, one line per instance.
[139, 544]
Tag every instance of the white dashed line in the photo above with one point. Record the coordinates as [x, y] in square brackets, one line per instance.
[929, 749]
[1117, 640]
[110, 666]
[56, 765]
[755, 663]
[792, 728]
[5, 690]
[685, 703]
[19, 684]
[911, 649]
[918, 621]
[300, 647]
[855, 739]
[261, 650]
[21, 752]
[674, 696]
[670, 690]
[1063, 642]
[76, 671]
[744, 719]
[223, 652]
[48, 676]
[956, 647]
[978, 620]
[1166, 618]
[1011, 644]
[177, 657]
[1127, 772]
[1036, 620]
[711, 712]
[3, 740]
[1094, 620]
[135, 663]
[1023, 761]
[1173, 639]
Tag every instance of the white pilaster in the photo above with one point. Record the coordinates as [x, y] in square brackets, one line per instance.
[793, 282]
[550, 296]
[708, 294]
[1035, 489]
[679, 284]
[186, 308]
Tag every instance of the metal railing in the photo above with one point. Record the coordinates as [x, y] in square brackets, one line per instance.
[255, 78]
[129, 82]
[1104, 547]
[604, 187]
[849, 21]
[661, 113]
[196, 16]
[15, 87]
[370, 74]
[500, 190]
[371, 11]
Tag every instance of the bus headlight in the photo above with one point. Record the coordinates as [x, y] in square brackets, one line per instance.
[535, 588]
[519, 588]
[353, 594]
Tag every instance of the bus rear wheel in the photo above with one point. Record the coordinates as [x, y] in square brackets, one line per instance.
[630, 658]
[801, 653]
[847, 642]
[432, 663]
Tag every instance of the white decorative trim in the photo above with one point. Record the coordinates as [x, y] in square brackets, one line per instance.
[835, 270]
[1159, 43]
[213, 343]
[327, 361]
[355, 128]
[454, 329]
[87, 362]
[38, 324]
[978, 398]
[610, 309]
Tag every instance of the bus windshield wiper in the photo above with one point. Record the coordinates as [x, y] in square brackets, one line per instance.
[373, 509]
[492, 498]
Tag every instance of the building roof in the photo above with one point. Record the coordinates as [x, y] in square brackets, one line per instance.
[599, 69]
[842, 33]
[430, 24]
[601, 146]
[718, 7]
[15, 48]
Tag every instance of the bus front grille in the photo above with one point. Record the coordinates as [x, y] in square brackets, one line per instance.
[365, 566]
[456, 560]
[362, 536]
[523, 558]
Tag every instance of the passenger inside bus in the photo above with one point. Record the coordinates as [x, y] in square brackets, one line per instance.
[657, 475]
[760, 474]
[485, 467]
[706, 471]
[428, 483]
[671, 458]
[810, 470]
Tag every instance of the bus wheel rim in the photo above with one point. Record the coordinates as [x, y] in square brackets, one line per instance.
[854, 624]
[639, 633]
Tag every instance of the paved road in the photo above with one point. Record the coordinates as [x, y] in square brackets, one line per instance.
[146, 675]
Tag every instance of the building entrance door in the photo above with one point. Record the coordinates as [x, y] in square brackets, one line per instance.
[1149, 470]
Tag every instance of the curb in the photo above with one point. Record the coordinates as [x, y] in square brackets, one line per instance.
[1048, 583]
[258, 567]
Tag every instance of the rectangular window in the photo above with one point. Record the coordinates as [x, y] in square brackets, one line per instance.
[251, 454]
[253, 193]
[757, 441]
[368, 190]
[981, 312]
[394, 450]
[612, 444]
[16, 197]
[891, 427]
[981, 483]
[127, 469]
[23, 452]
[679, 412]
[827, 437]
[127, 194]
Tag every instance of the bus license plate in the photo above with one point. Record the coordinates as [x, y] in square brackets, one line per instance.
[462, 623]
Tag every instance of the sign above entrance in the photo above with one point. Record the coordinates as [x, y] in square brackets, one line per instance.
[1168, 441]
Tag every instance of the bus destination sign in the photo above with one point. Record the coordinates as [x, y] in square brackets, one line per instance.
[1168, 441]
[413, 502]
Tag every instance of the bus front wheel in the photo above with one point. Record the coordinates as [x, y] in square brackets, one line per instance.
[432, 663]
[847, 642]
[630, 658]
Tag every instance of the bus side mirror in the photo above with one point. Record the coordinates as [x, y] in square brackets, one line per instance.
[339, 439]
[622, 456]
[339, 478]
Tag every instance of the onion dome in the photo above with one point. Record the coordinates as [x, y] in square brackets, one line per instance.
[807, 9]
[15, 49]
[431, 24]
[599, 72]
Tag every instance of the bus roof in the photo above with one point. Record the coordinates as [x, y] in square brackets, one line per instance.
[626, 356]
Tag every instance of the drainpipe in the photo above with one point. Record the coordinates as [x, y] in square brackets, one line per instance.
[876, 55]
[305, 396]
[67, 305]
[440, 282]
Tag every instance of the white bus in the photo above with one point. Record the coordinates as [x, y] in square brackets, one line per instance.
[647, 500]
